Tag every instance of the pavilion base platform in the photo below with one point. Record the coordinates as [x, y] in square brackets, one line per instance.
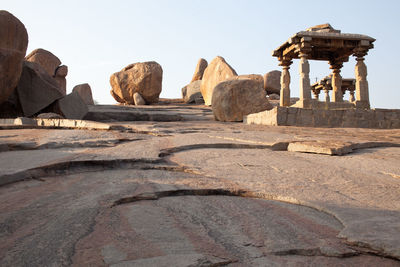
[346, 118]
[315, 104]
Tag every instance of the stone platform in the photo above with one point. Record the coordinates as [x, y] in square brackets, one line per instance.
[196, 192]
[347, 118]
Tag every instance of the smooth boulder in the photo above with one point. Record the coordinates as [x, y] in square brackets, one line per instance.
[60, 76]
[234, 99]
[256, 77]
[36, 89]
[217, 71]
[272, 82]
[46, 59]
[143, 78]
[191, 92]
[85, 92]
[199, 71]
[13, 45]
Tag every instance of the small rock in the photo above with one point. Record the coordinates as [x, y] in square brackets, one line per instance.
[143, 78]
[272, 82]
[234, 99]
[191, 91]
[217, 71]
[274, 97]
[49, 115]
[13, 44]
[138, 99]
[198, 73]
[85, 93]
[61, 73]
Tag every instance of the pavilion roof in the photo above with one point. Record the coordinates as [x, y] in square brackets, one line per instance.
[324, 43]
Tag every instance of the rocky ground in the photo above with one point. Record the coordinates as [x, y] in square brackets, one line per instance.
[167, 185]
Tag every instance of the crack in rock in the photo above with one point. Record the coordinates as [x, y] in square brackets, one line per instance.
[169, 151]
[181, 192]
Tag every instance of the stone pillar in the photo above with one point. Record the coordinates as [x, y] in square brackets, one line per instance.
[337, 94]
[362, 93]
[304, 69]
[285, 83]
[327, 98]
[316, 93]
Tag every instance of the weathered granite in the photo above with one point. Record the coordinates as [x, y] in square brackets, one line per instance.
[88, 196]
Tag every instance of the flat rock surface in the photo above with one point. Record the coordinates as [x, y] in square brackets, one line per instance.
[191, 191]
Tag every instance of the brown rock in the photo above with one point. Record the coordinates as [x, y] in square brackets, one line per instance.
[274, 97]
[46, 59]
[143, 78]
[85, 93]
[217, 71]
[61, 73]
[70, 107]
[49, 115]
[36, 89]
[116, 97]
[201, 66]
[272, 82]
[234, 99]
[191, 92]
[13, 44]
[256, 77]
[138, 99]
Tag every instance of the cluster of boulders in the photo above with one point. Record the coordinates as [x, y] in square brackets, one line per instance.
[137, 84]
[36, 83]
[231, 96]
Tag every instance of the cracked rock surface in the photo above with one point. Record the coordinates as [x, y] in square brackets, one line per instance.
[191, 191]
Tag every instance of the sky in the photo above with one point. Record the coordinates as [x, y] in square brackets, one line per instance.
[97, 38]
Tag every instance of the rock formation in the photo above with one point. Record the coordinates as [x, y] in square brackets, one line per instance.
[272, 82]
[70, 106]
[52, 65]
[256, 77]
[85, 93]
[13, 45]
[143, 78]
[217, 71]
[201, 66]
[191, 92]
[233, 99]
[36, 89]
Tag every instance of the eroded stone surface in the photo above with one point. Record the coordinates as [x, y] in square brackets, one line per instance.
[154, 192]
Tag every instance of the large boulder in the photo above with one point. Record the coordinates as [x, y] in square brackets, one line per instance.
[46, 59]
[199, 71]
[36, 89]
[191, 92]
[143, 78]
[85, 92]
[234, 99]
[13, 44]
[272, 82]
[217, 71]
[256, 77]
[70, 106]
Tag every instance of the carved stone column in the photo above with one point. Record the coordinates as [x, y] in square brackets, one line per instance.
[285, 82]
[362, 93]
[337, 94]
[304, 69]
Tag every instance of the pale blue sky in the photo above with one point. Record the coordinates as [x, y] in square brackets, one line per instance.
[97, 38]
